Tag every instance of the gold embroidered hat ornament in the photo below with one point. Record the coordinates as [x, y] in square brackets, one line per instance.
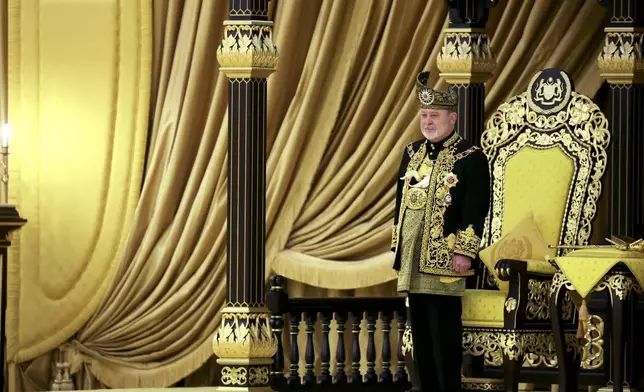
[435, 99]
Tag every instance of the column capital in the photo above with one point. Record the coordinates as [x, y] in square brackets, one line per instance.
[247, 49]
[621, 60]
[466, 56]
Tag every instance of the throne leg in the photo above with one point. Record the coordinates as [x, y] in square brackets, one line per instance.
[568, 361]
[617, 339]
[512, 361]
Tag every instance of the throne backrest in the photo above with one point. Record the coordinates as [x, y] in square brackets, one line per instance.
[547, 151]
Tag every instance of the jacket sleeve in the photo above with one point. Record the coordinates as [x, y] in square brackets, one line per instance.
[399, 190]
[476, 205]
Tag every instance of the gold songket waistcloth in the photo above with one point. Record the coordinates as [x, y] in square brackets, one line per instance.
[410, 279]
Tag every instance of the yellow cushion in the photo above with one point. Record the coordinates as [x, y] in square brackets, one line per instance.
[537, 181]
[523, 242]
[483, 308]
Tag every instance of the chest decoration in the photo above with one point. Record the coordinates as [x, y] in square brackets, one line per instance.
[427, 187]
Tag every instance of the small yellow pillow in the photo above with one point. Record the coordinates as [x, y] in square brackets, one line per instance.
[523, 242]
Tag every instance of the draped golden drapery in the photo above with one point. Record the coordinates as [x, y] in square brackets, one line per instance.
[341, 108]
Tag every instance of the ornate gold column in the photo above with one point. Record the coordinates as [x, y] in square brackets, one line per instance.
[244, 343]
[466, 60]
[621, 64]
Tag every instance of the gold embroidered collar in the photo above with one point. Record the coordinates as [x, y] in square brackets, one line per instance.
[451, 140]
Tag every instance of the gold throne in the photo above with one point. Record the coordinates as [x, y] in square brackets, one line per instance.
[546, 148]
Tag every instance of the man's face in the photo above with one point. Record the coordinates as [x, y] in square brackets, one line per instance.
[436, 124]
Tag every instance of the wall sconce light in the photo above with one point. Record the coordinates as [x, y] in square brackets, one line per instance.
[5, 134]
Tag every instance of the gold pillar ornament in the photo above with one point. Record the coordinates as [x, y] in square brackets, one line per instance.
[466, 56]
[467, 61]
[244, 343]
[620, 60]
[621, 64]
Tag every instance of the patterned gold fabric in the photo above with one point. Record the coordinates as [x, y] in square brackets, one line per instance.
[540, 267]
[483, 308]
[523, 242]
[584, 268]
[538, 181]
[409, 278]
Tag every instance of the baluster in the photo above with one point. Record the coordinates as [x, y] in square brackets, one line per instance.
[277, 302]
[371, 377]
[294, 375]
[401, 374]
[355, 376]
[385, 376]
[325, 354]
[340, 353]
[277, 368]
[309, 354]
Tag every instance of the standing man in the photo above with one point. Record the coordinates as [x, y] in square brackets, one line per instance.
[442, 200]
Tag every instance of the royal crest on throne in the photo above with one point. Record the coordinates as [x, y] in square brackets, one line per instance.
[549, 91]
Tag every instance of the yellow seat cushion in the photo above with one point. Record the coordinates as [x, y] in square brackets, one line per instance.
[523, 242]
[483, 308]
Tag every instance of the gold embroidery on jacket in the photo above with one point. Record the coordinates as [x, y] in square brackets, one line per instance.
[467, 242]
[436, 254]
[436, 250]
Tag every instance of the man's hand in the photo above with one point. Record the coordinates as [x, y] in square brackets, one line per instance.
[461, 263]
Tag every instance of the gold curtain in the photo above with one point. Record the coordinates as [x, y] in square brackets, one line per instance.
[3, 61]
[155, 323]
[341, 109]
[79, 79]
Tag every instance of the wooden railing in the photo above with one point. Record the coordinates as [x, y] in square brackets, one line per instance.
[322, 311]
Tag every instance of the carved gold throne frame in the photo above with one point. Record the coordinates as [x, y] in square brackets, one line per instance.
[547, 152]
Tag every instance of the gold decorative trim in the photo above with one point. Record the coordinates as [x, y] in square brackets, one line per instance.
[244, 335]
[580, 129]
[510, 304]
[466, 57]
[245, 361]
[436, 255]
[537, 361]
[593, 351]
[258, 375]
[455, 138]
[538, 306]
[515, 344]
[482, 385]
[250, 10]
[243, 309]
[407, 343]
[234, 375]
[621, 60]
[247, 50]
[467, 242]
[620, 285]
[394, 237]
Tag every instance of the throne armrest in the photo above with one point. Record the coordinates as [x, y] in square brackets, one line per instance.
[506, 269]
[525, 277]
